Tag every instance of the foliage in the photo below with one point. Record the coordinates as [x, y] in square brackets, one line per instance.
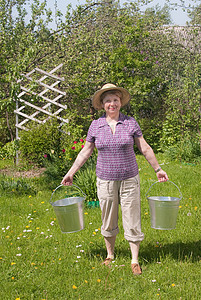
[86, 180]
[187, 149]
[36, 143]
[11, 186]
[9, 150]
[101, 42]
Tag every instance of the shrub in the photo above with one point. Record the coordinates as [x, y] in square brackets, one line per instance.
[9, 150]
[18, 187]
[38, 141]
[85, 179]
[186, 150]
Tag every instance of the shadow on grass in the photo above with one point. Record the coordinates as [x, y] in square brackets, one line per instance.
[177, 251]
[155, 252]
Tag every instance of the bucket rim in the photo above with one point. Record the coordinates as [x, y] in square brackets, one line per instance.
[163, 198]
[56, 202]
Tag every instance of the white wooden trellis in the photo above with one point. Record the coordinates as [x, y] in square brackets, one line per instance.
[22, 103]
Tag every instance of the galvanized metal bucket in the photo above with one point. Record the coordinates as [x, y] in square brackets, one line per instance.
[69, 212]
[163, 210]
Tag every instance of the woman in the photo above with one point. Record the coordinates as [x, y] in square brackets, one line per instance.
[114, 135]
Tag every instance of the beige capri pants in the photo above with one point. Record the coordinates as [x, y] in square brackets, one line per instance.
[127, 194]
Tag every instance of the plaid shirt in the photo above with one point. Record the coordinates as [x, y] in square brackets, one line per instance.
[116, 158]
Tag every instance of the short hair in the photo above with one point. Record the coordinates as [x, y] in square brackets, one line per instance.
[112, 92]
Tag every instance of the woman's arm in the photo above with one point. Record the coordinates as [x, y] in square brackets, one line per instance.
[82, 157]
[148, 153]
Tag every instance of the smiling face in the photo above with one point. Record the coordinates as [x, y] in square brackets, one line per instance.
[111, 104]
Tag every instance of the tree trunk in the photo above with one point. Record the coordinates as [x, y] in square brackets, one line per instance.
[9, 128]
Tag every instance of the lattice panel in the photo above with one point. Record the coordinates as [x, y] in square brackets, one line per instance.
[39, 98]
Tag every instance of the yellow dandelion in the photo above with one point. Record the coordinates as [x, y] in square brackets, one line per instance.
[74, 287]
[7, 236]
[33, 264]
[98, 255]
[29, 196]
[173, 284]
[86, 281]
[27, 226]
[98, 280]
[42, 202]
[37, 228]
[1, 258]
[13, 263]
[59, 156]
[93, 267]
[34, 211]
[70, 158]
[146, 213]
[30, 221]
[59, 258]
[195, 208]
[17, 298]
[13, 278]
[180, 206]
[94, 232]
[86, 213]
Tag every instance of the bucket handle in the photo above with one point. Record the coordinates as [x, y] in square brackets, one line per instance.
[63, 185]
[166, 181]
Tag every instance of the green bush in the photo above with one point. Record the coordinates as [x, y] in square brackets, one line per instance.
[186, 150]
[85, 179]
[48, 140]
[18, 187]
[9, 150]
[38, 141]
[57, 165]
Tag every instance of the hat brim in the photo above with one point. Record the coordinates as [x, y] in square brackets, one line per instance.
[97, 104]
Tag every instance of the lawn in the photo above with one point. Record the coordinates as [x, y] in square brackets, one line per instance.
[37, 261]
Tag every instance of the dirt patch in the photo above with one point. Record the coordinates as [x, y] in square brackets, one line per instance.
[27, 174]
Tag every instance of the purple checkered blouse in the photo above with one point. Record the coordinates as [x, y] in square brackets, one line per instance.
[116, 157]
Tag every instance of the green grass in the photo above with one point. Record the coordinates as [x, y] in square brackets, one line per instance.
[38, 262]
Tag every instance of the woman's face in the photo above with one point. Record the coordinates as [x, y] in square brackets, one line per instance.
[112, 104]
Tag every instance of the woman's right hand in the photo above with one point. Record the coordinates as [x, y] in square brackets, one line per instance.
[67, 180]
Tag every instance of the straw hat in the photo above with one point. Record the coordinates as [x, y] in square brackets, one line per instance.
[96, 100]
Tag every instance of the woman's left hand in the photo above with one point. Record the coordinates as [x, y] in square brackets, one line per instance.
[162, 176]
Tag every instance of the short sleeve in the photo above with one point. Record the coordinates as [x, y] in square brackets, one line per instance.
[91, 133]
[134, 127]
[137, 129]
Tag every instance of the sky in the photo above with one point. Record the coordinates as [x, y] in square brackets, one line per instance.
[179, 17]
